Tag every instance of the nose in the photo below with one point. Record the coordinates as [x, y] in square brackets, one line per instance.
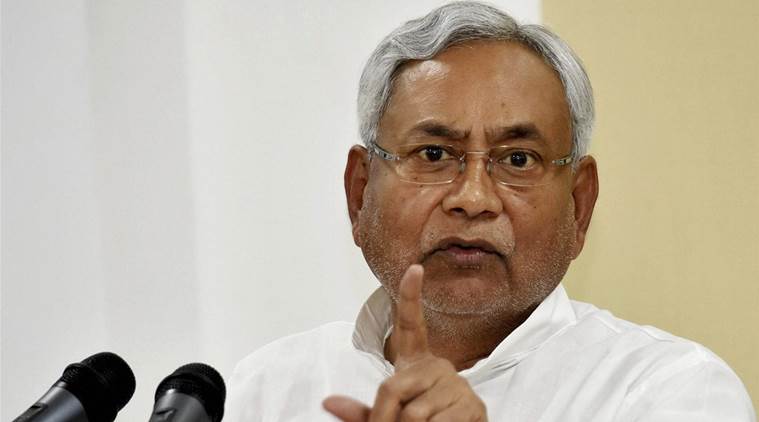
[473, 193]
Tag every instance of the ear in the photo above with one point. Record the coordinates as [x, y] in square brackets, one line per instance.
[585, 193]
[355, 178]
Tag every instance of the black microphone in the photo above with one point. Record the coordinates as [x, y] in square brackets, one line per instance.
[91, 391]
[193, 393]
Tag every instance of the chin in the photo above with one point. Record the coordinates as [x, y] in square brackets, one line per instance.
[465, 296]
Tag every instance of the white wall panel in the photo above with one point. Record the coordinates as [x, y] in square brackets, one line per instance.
[172, 180]
[53, 290]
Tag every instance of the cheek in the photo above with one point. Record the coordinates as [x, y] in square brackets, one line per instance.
[522, 208]
[394, 214]
[537, 216]
[415, 203]
[391, 222]
[406, 206]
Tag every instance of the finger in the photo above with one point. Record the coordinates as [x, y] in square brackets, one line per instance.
[390, 395]
[433, 401]
[462, 411]
[406, 385]
[346, 409]
[409, 321]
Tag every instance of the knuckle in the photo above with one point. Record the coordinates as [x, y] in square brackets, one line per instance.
[464, 384]
[444, 365]
[388, 389]
[415, 412]
[444, 418]
[458, 383]
[479, 410]
[407, 322]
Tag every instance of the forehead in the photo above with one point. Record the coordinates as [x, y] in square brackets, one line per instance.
[478, 86]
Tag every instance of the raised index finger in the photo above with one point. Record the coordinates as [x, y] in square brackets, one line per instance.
[409, 320]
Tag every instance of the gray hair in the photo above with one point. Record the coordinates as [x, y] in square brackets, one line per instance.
[459, 22]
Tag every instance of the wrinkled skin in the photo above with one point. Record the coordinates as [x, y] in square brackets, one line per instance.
[481, 94]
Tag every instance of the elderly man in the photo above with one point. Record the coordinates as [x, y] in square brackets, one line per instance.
[472, 195]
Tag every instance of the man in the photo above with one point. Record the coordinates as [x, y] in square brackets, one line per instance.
[469, 200]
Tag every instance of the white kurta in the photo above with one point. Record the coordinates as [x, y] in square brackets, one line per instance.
[569, 361]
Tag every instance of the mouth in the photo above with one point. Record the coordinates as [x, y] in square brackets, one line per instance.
[465, 253]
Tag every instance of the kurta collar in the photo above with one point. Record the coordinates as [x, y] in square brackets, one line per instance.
[374, 324]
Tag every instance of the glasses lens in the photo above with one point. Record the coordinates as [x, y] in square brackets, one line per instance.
[428, 163]
[518, 166]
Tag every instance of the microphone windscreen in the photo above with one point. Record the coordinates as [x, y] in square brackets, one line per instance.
[200, 381]
[103, 383]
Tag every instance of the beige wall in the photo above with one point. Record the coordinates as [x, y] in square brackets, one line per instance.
[675, 237]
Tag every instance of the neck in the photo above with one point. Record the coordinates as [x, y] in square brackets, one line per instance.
[463, 340]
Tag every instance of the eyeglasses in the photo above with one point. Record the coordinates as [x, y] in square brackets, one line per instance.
[431, 164]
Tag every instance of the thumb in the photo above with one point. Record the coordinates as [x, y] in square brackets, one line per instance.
[346, 409]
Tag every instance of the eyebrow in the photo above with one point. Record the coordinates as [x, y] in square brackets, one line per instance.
[525, 130]
[522, 130]
[438, 130]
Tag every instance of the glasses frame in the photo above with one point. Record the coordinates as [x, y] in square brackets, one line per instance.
[389, 156]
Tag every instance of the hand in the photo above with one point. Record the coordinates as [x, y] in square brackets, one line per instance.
[424, 387]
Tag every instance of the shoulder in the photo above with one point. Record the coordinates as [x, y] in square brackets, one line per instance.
[297, 349]
[660, 372]
[283, 377]
[633, 341]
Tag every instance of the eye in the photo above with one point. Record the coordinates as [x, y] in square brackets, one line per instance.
[433, 153]
[520, 159]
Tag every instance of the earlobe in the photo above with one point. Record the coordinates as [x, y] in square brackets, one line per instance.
[355, 178]
[585, 193]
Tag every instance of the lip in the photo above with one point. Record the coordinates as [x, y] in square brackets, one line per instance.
[465, 252]
[466, 244]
